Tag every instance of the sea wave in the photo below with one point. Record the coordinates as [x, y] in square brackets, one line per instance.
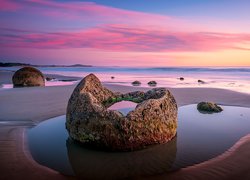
[194, 69]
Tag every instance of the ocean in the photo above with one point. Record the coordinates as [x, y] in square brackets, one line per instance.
[233, 78]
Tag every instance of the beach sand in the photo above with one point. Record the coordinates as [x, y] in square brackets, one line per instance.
[25, 107]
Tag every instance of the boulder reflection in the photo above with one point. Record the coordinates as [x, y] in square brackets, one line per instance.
[93, 164]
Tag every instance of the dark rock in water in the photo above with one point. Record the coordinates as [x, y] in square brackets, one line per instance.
[89, 121]
[208, 107]
[112, 77]
[27, 77]
[182, 78]
[201, 82]
[152, 83]
[50, 78]
[68, 80]
[136, 83]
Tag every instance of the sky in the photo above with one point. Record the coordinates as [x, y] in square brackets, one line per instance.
[126, 32]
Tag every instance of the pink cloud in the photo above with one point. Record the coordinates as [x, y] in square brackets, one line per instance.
[126, 39]
[119, 30]
[7, 5]
[94, 13]
[91, 8]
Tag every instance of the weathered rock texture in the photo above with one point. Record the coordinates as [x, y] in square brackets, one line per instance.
[153, 121]
[28, 76]
[208, 107]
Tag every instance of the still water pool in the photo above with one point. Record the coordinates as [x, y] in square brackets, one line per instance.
[200, 137]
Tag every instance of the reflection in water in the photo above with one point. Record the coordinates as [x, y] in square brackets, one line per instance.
[205, 136]
[47, 144]
[200, 137]
[94, 164]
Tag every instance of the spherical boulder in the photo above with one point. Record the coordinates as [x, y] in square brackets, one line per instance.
[27, 77]
[89, 121]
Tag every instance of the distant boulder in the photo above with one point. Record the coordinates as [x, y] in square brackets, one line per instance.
[152, 83]
[182, 78]
[201, 82]
[209, 107]
[28, 77]
[136, 83]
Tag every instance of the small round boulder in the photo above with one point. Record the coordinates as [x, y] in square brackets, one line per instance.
[152, 83]
[28, 77]
[209, 107]
[136, 83]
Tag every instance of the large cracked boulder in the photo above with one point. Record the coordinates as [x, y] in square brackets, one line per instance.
[28, 77]
[89, 121]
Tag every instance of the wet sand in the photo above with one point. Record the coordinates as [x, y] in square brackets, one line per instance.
[25, 107]
[231, 165]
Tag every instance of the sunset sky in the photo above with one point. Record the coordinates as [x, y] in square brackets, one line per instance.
[126, 32]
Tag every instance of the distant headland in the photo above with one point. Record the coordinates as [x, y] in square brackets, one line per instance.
[11, 64]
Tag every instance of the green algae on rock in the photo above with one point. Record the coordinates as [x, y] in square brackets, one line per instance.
[89, 121]
[208, 107]
[28, 77]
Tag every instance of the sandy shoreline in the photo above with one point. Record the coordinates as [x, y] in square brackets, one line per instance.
[24, 107]
[40, 103]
